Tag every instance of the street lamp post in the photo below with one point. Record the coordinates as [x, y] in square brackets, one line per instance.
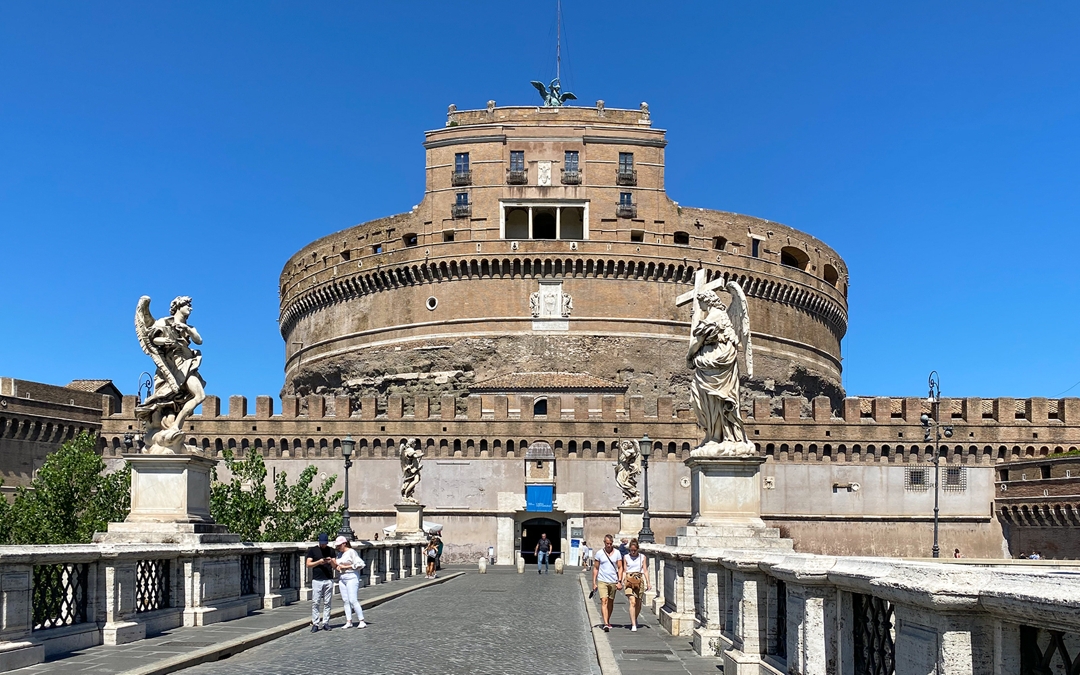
[934, 430]
[645, 536]
[347, 447]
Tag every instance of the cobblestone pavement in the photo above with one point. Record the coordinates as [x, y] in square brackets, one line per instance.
[651, 649]
[498, 623]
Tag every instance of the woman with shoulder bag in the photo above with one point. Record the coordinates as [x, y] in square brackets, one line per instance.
[431, 552]
[637, 581]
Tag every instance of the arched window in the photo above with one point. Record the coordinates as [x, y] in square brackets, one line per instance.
[682, 239]
[540, 407]
[794, 257]
[830, 274]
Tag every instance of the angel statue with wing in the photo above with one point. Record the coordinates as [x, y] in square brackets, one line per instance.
[410, 469]
[719, 339]
[178, 386]
[552, 94]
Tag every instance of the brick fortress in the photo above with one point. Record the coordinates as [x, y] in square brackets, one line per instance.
[531, 297]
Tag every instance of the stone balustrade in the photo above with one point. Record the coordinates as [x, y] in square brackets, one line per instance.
[800, 614]
[57, 599]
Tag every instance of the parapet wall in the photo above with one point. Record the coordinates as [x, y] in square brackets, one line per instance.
[786, 429]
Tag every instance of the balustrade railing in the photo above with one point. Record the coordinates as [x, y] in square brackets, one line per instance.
[779, 613]
[60, 598]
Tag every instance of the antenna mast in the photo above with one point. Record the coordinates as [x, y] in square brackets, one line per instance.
[558, 38]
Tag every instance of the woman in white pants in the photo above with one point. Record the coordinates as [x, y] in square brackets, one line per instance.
[349, 564]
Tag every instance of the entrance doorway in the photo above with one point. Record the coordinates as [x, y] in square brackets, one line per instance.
[530, 534]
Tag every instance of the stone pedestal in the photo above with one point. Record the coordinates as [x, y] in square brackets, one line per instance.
[170, 503]
[725, 506]
[410, 521]
[630, 521]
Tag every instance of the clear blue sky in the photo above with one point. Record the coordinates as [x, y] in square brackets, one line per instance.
[935, 145]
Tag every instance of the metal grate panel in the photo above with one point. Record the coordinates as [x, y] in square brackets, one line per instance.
[954, 478]
[285, 566]
[151, 585]
[875, 650]
[917, 478]
[59, 597]
[1048, 651]
[247, 574]
[780, 628]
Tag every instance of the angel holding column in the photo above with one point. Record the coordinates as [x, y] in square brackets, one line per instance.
[178, 386]
[719, 336]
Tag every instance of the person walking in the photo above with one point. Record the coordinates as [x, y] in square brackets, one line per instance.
[607, 577]
[438, 552]
[542, 552]
[321, 562]
[349, 564]
[431, 552]
[636, 580]
[624, 546]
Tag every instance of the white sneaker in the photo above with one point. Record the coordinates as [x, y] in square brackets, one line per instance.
[348, 625]
[633, 629]
[361, 624]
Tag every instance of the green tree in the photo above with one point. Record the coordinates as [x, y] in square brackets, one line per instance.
[297, 512]
[241, 504]
[303, 511]
[69, 500]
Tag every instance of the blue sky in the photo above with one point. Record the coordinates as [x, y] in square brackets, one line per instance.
[168, 148]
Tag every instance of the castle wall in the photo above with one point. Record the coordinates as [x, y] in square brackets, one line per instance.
[474, 464]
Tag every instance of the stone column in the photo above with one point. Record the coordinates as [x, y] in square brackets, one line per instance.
[709, 639]
[677, 614]
[388, 557]
[16, 608]
[749, 633]
[372, 560]
[271, 593]
[812, 614]
[119, 627]
[630, 522]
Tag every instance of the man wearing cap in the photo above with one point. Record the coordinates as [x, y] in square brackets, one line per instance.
[321, 561]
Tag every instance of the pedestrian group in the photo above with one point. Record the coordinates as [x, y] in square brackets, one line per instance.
[323, 561]
[614, 570]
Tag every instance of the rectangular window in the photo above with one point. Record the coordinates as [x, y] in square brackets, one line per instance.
[626, 162]
[755, 248]
[461, 162]
[571, 160]
[448, 235]
[377, 248]
[637, 235]
[462, 199]
[626, 199]
[517, 160]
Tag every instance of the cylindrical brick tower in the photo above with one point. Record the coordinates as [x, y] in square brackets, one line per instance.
[546, 243]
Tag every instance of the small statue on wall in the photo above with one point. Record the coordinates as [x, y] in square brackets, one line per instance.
[178, 386]
[534, 303]
[627, 469]
[410, 468]
[567, 304]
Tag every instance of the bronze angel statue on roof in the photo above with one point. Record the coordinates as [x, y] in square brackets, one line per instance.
[178, 386]
[719, 349]
[552, 94]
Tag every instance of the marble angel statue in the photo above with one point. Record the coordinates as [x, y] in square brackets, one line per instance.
[178, 386]
[410, 468]
[627, 469]
[719, 349]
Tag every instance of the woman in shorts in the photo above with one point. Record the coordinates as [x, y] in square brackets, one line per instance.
[636, 580]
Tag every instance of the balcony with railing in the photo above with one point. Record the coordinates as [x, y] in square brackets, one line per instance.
[626, 177]
[626, 210]
[462, 210]
[517, 176]
[461, 178]
[571, 177]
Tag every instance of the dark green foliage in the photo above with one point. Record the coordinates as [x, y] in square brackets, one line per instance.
[298, 512]
[69, 500]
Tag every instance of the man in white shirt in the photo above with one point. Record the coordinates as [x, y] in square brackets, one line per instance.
[607, 577]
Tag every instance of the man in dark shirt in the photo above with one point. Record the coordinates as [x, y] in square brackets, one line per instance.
[321, 561]
[542, 552]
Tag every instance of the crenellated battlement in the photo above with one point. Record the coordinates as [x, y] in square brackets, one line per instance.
[784, 429]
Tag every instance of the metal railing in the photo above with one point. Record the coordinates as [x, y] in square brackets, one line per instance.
[626, 210]
[461, 178]
[626, 177]
[517, 176]
[571, 177]
[151, 585]
[59, 597]
[461, 210]
[247, 574]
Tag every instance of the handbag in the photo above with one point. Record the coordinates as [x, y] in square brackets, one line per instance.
[633, 581]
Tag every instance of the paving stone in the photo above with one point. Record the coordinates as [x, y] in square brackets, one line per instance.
[493, 624]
